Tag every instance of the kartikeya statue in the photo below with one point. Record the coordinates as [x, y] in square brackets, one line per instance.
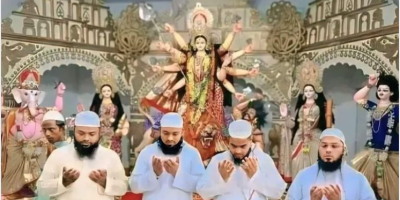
[379, 162]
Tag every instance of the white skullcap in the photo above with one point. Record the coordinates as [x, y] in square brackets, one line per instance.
[240, 129]
[334, 132]
[87, 119]
[171, 120]
[53, 115]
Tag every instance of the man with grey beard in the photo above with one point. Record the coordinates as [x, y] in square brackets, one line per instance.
[83, 170]
[330, 178]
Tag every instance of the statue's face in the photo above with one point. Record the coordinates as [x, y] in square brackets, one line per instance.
[24, 96]
[309, 92]
[106, 91]
[201, 44]
[250, 114]
[199, 22]
[383, 92]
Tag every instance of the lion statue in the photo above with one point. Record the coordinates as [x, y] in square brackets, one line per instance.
[205, 140]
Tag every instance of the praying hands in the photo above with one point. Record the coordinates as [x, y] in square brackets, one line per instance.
[69, 176]
[171, 166]
[99, 177]
[250, 166]
[225, 168]
[157, 166]
[331, 192]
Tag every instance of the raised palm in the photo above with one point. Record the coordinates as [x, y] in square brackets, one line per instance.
[373, 79]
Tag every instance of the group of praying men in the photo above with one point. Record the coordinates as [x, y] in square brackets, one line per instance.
[171, 169]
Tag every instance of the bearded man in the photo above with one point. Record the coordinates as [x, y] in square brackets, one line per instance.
[83, 170]
[169, 168]
[242, 172]
[330, 178]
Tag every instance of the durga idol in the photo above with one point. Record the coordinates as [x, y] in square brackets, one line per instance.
[199, 83]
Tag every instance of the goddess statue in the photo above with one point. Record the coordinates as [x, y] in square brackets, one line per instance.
[23, 144]
[198, 83]
[107, 104]
[379, 162]
[310, 119]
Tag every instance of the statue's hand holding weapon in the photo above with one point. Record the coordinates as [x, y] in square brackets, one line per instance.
[237, 27]
[248, 48]
[253, 72]
[156, 68]
[168, 28]
[164, 46]
[283, 110]
[239, 96]
[168, 93]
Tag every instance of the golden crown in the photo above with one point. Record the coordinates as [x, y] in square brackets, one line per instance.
[105, 74]
[309, 73]
[29, 79]
[200, 11]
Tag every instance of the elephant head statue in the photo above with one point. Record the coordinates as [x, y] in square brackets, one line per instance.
[27, 93]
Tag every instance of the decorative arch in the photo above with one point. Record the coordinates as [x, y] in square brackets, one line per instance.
[48, 59]
[359, 56]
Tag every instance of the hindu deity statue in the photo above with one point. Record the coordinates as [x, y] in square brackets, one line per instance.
[310, 119]
[254, 111]
[379, 162]
[107, 104]
[199, 82]
[23, 144]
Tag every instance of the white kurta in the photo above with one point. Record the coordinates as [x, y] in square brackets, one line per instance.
[354, 185]
[50, 181]
[182, 186]
[266, 183]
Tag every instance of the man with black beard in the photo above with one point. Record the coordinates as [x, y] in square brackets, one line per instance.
[168, 168]
[330, 178]
[83, 170]
[243, 172]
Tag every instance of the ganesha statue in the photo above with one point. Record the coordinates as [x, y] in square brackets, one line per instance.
[22, 139]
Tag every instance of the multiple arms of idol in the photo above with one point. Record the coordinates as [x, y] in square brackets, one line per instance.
[179, 58]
